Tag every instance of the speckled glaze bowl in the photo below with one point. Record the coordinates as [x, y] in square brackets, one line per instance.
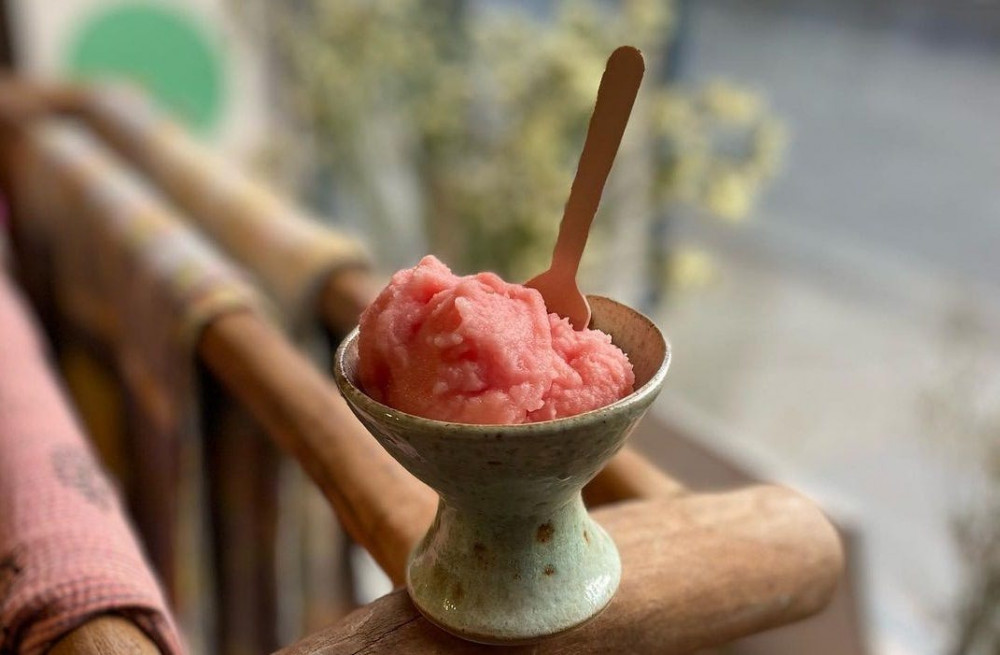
[512, 555]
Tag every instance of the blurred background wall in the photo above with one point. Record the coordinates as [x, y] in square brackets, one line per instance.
[189, 54]
[853, 326]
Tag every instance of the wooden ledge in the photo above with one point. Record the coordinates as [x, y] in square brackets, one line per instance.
[699, 571]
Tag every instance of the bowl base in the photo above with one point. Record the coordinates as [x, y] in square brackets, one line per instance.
[493, 640]
[513, 580]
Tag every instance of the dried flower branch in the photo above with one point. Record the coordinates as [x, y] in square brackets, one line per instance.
[490, 112]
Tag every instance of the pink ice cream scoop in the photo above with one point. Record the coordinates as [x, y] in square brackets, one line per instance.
[476, 349]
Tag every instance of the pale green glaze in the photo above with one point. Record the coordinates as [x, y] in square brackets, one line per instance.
[512, 555]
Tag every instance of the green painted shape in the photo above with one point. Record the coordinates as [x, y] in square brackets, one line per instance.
[161, 49]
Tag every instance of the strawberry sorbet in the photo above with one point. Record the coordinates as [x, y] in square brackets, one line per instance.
[476, 349]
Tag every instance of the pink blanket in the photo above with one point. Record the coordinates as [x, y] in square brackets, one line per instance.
[66, 551]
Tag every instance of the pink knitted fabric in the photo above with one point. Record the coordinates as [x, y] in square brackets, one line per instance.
[66, 551]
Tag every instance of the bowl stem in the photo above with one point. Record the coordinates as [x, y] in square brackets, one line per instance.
[504, 578]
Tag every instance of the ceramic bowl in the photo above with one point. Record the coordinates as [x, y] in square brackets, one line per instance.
[512, 555]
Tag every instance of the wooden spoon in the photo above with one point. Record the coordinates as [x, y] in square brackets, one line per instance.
[615, 97]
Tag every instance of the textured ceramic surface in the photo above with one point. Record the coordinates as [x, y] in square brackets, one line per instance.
[512, 555]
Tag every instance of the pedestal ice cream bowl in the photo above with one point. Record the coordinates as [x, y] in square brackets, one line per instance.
[512, 555]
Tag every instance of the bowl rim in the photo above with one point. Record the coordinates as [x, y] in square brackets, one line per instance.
[357, 397]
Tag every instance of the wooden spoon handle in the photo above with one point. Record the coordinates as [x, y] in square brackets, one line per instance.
[615, 97]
